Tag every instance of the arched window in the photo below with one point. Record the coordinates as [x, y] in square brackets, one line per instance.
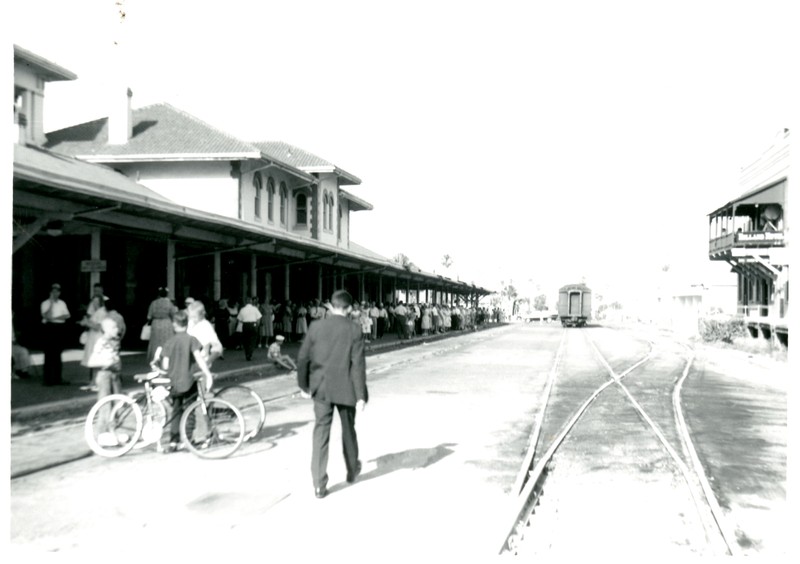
[339, 224]
[330, 212]
[302, 209]
[325, 209]
[257, 187]
[284, 203]
[270, 199]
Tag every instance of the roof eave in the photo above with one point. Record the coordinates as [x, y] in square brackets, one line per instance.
[166, 157]
[362, 204]
[50, 71]
[348, 178]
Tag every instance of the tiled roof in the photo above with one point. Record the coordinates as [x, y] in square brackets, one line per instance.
[158, 130]
[291, 155]
[302, 159]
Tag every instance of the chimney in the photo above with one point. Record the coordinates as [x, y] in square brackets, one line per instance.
[120, 120]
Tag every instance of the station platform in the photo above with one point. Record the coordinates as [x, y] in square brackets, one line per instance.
[440, 456]
[30, 398]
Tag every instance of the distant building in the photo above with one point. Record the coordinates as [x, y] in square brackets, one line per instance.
[751, 234]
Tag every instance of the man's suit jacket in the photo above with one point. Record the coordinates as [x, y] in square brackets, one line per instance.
[331, 365]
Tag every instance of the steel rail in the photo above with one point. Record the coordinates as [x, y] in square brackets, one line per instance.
[527, 462]
[725, 529]
[530, 493]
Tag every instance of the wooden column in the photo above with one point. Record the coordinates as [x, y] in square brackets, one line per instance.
[253, 276]
[171, 268]
[286, 281]
[217, 277]
[94, 254]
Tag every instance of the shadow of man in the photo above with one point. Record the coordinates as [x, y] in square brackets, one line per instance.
[411, 459]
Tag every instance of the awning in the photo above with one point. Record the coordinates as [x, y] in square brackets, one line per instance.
[774, 193]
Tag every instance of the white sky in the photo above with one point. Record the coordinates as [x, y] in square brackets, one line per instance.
[535, 141]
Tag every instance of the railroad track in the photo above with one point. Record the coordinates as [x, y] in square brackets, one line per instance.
[584, 384]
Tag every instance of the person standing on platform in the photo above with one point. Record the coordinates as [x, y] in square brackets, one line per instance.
[159, 316]
[374, 315]
[249, 317]
[95, 313]
[55, 314]
[382, 316]
[316, 312]
[265, 332]
[201, 329]
[331, 369]
[301, 326]
[400, 321]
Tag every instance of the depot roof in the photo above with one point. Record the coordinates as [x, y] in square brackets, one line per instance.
[160, 132]
[305, 161]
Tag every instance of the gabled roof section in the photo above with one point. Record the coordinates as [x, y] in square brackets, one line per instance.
[48, 71]
[302, 159]
[161, 132]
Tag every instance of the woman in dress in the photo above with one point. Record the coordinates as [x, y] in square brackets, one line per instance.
[159, 316]
[95, 313]
[302, 322]
[265, 327]
[426, 321]
[288, 314]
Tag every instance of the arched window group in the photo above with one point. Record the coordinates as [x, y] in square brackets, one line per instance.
[270, 199]
[257, 187]
[284, 203]
[327, 211]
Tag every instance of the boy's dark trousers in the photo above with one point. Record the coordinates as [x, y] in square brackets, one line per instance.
[179, 402]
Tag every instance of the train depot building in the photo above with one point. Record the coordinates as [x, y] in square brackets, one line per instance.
[153, 197]
[751, 233]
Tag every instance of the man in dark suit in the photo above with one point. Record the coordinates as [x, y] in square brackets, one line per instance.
[332, 370]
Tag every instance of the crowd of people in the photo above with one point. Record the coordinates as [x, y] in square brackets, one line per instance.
[230, 324]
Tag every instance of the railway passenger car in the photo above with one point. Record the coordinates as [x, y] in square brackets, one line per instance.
[574, 305]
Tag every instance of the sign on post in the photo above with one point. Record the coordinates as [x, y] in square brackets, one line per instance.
[95, 265]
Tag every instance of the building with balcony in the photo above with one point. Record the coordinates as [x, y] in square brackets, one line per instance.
[751, 233]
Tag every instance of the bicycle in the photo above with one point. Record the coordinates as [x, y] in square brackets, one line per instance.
[210, 427]
[249, 404]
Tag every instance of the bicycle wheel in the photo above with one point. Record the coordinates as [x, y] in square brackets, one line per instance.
[113, 425]
[154, 419]
[249, 403]
[212, 430]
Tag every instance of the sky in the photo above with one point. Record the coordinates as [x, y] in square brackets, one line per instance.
[536, 142]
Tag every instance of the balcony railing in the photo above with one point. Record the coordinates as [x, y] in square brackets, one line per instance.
[746, 240]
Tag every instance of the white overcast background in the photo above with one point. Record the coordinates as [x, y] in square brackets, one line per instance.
[539, 142]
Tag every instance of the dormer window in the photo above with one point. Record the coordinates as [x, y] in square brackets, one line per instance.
[302, 209]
